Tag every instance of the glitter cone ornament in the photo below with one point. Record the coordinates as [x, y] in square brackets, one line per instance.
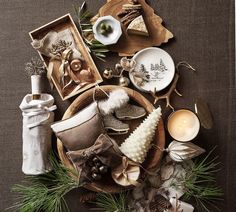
[138, 143]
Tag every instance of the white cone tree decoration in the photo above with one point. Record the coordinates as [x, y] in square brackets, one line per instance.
[138, 143]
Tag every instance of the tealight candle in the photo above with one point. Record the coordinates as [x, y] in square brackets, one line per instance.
[183, 125]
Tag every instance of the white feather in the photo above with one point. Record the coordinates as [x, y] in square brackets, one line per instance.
[117, 99]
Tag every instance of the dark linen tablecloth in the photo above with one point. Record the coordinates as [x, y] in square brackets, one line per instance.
[204, 36]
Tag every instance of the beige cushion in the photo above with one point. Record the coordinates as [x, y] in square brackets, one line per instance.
[81, 130]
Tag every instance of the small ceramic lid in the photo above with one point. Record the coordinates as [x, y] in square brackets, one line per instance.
[109, 38]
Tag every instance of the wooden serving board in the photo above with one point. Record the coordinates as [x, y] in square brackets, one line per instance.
[154, 156]
[60, 24]
[128, 44]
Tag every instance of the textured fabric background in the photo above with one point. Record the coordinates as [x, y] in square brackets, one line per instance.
[204, 36]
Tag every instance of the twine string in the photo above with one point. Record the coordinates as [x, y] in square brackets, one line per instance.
[95, 89]
[185, 64]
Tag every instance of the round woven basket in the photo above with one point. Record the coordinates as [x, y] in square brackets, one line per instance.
[107, 185]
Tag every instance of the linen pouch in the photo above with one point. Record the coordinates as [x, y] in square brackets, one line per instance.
[37, 118]
[104, 148]
[81, 130]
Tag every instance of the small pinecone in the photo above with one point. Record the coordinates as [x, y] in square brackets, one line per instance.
[88, 197]
[159, 204]
[97, 168]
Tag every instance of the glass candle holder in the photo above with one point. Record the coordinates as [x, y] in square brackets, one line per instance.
[183, 125]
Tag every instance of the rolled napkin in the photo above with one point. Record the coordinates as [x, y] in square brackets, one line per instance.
[127, 173]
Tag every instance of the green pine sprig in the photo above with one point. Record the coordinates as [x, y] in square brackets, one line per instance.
[112, 202]
[200, 182]
[46, 192]
[85, 27]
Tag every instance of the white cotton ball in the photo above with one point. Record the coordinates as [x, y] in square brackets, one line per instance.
[117, 99]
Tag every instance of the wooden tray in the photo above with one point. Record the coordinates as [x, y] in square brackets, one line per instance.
[154, 156]
[62, 23]
[128, 45]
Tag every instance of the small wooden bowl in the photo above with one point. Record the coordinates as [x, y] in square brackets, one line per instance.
[153, 159]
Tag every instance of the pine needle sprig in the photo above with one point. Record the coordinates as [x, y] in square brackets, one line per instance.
[46, 192]
[85, 27]
[199, 183]
[112, 203]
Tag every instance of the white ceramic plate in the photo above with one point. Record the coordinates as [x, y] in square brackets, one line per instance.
[158, 65]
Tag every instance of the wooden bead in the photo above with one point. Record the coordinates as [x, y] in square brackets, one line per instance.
[76, 65]
[95, 160]
[86, 75]
[94, 169]
[103, 169]
[96, 176]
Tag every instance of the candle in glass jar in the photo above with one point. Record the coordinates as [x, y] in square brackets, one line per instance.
[183, 125]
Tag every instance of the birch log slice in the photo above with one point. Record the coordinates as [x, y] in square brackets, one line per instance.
[154, 156]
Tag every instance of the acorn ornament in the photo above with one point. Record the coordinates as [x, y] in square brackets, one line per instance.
[138, 143]
[125, 64]
[124, 81]
[108, 73]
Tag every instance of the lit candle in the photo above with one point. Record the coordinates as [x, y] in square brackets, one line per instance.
[183, 125]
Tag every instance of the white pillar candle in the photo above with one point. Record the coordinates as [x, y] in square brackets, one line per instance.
[183, 125]
[35, 84]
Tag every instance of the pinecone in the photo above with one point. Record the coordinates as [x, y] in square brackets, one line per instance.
[159, 204]
[88, 197]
